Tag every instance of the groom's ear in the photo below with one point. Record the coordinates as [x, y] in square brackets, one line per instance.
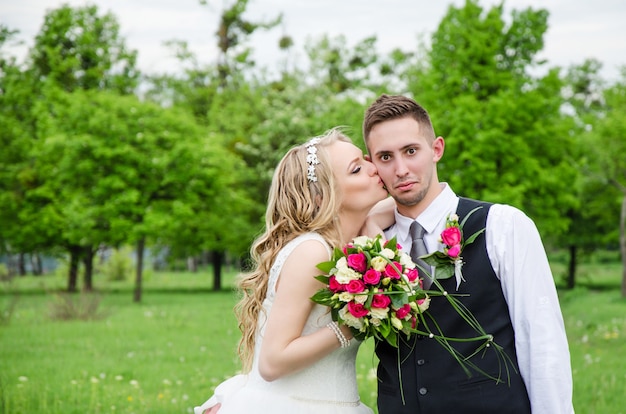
[368, 158]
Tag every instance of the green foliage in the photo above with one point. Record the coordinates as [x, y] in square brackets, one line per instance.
[78, 49]
[506, 137]
[119, 265]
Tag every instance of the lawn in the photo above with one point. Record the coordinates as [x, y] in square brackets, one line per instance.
[166, 354]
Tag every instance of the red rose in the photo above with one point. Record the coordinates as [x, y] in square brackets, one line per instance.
[454, 251]
[335, 286]
[412, 274]
[358, 262]
[403, 311]
[357, 309]
[346, 247]
[390, 270]
[380, 301]
[451, 236]
[371, 277]
[355, 286]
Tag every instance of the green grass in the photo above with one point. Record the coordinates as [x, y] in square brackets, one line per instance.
[166, 354]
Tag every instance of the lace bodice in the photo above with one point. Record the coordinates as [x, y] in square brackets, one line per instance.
[331, 379]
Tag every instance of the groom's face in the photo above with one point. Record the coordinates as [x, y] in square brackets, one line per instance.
[405, 159]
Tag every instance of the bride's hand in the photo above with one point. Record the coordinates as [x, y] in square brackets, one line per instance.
[212, 410]
[379, 218]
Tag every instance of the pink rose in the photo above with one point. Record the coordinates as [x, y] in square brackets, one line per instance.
[357, 309]
[412, 274]
[398, 247]
[454, 251]
[346, 247]
[451, 236]
[358, 262]
[335, 286]
[380, 301]
[390, 270]
[372, 277]
[403, 311]
[355, 286]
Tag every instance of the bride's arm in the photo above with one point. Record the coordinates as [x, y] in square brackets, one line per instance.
[285, 350]
[379, 218]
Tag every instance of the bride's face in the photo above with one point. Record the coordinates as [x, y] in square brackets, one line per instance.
[360, 187]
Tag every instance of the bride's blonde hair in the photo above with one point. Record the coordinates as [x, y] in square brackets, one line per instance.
[296, 205]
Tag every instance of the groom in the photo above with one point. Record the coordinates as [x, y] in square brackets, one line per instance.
[507, 285]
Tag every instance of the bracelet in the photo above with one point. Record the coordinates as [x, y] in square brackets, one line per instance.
[340, 336]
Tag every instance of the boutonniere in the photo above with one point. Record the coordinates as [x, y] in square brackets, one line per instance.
[449, 261]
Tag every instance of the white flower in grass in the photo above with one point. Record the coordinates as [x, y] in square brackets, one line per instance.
[134, 383]
[22, 378]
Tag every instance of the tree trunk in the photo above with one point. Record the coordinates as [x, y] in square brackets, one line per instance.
[192, 264]
[88, 262]
[141, 244]
[622, 243]
[73, 269]
[218, 259]
[571, 271]
[35, 262]
[21, 264]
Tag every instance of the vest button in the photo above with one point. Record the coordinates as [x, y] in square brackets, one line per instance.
[420, 362]
[423, 391]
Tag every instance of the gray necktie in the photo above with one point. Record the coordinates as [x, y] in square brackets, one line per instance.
[418, 248]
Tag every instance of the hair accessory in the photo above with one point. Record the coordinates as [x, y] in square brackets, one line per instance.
[312, 159]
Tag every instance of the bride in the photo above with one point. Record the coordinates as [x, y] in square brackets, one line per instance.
[295, 358]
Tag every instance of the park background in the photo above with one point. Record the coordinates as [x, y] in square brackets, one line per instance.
[128, 200]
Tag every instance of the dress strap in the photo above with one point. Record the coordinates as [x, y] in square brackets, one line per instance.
[285, 252]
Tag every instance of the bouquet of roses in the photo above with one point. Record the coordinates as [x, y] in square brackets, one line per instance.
[374, 288]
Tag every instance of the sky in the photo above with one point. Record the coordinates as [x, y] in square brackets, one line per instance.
[578, 29]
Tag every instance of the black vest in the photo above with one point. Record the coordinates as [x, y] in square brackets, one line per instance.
[432, 380]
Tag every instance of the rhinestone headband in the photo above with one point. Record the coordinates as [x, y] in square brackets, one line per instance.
[312, 159]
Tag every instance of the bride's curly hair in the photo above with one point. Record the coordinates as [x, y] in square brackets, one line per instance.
[295, 206]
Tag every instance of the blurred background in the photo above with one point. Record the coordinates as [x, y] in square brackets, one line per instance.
[138, 140]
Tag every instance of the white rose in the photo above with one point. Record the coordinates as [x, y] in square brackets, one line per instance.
[378, 263]
[375, 321]
[379, 313]
[388, 253]
[345, 274]
[397, 323]
[350, 320]
[341, 263]
[360, 299]
[346, 297]
[406, 261]
[361, 241]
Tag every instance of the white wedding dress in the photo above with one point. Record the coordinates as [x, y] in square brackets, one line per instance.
[326, 387]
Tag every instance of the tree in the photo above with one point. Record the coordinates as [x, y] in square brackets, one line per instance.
[505, 135]
[610, 141]
[124, 170]
[593, 220]
[78, 49]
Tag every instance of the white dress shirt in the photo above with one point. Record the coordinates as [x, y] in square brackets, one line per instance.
[519, 260]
